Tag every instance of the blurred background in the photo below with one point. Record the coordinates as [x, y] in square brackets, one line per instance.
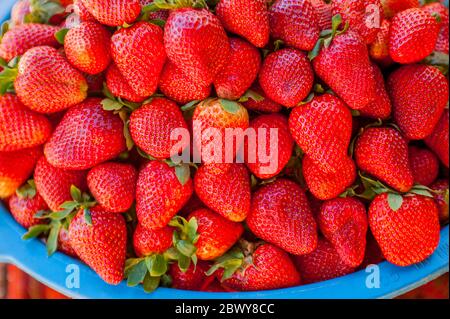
[15, 284]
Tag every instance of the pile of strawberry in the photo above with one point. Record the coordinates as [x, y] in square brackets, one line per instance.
[91, 91]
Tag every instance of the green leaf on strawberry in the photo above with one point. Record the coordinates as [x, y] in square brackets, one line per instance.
[395, 201]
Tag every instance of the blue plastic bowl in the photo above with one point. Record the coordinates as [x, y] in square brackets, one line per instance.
[31, 257]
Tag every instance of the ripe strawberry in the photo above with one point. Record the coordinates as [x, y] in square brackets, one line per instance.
[363, 16]
[324, 185]
[438, 140]
[15, 168]
[41, 83]
[322, 128]
[379, 48]
[159, 195]
[280, 214]
[264, 267]
[113, 12]
[279, 142]
[152, 125]
[392, 7]
[138, 52]
[383, 153]
[156, 15]
[240, 72]
[113, 186]
[322, 264]
[25, 204]
[119, 86]
[224, 188]
[64, 245]
[409, 234]
[82, 12]
[19, 12]
[413, 35]
[53, 184]
[218, 115]
[295, 22]
[87, 47]
[179, 87]
[441, 198]
[193, 279]
[151, 241]
[441, 10]
[381, 107]
[419, 96]
[216, 234]
[343, 221]
[324, 14]
[86, 137]
[101, 245]
[263, 104]
[424, 165]
[19, 127]
[20, 39]
[249, 19]
[286, 77]
[196, 42]
[345, 67]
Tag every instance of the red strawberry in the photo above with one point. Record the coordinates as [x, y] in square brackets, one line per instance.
[280, 214]
[406, 235]
[152, 126]
[218, 115]
[322, 128]
[413, 35]
[20, 128]
[381, 107]
[196, 42]
[441, 11]
[322, 264]
[101, 245]
[151, 241]
[271, 154]
[424, 165]
[64, 245]
[441, 198]
[216, 234]
[379, 48]
[53, 184]
[82, 12]
[113, 12]
[343, 221]
[265, 267]
[383, 153]
[225, 188]
[363, 16]
[419, 96]
[42, 81]
[156, 15]
[25, 204]
[113, 186]
[192, 279]
[159, 194]
[263, 104]
[20, 39]
[438, 140]
[87, 47]
[240, 72]
[324, 185]
[324, 14]
[286, 77]
[192, 205]
[392, 7]
[178, 86]
[86, 137]
[138, 52]
[247, 18]
[119, 86]
[295, 22]
[15, 168]
[345, 67]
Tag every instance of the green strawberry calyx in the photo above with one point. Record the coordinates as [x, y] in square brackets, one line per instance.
[158, 5]
[184, 239]
[327, 36]
[8, 75]
[150, 271]
[43, 10]
[250, 94]
[28, 190]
